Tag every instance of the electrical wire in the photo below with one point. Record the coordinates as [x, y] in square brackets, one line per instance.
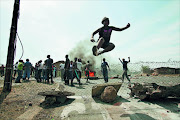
[21, 46]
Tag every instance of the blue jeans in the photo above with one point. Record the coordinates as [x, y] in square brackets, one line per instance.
[125, 74]
[19, 76]
[105, 74]
[26, 73]
[39, 75]
[44, 74]
[2, 73]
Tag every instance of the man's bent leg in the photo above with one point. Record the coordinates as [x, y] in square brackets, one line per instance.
[128, 79]
[100, 42]
[96, 48]
[110, 47]
[123, 76]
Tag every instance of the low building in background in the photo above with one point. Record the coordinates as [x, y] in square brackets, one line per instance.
[167, 70]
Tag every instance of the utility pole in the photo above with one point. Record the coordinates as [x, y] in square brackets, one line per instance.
[11, 48]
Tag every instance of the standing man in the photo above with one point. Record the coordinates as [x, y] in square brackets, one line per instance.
[15, 69]
[2, 70]
[49, 65]
[20, 71]
[75, 73]
[36, 71]
[104, 37]
[87, 70]
[66, 73]
[44, 73]
[79, 67]
[62, 70]
[125, 69]
[104, 66]
[54, 71]
[27, 69]
[40, 68]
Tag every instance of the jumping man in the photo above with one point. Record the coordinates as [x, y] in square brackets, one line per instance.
[104, 37]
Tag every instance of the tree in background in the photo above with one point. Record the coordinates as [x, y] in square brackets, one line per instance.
[146, 69]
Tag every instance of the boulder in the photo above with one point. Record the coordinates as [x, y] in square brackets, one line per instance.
[109, 94]
[99, 88]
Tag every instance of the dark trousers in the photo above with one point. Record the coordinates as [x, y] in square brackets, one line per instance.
[20, 72]
[125, 74]
[66, 76]
[39, 75]
[2, 73]
[87, 74]
[49, 72]
[15, 73]
[105, 74]
[36, 74]
[79, 73]
[75, 75]
[44, 74]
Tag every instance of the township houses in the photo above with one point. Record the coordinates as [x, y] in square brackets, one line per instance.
[167, 70]
[57, 64]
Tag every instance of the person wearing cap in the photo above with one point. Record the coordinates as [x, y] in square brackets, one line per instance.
[125, 70]
[104, 37]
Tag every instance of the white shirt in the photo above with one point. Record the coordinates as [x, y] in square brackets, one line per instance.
[40, 66]
[44, 67]
[79, 66]
[61, 66]
[15, 66]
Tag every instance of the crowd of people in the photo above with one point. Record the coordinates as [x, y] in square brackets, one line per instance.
[73, 69]
[44, 72]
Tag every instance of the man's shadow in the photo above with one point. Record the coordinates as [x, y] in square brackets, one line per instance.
[170, 104]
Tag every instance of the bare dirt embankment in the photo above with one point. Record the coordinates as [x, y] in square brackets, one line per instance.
[21, 98]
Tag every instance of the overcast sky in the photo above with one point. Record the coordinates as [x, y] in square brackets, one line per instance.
[56, 27]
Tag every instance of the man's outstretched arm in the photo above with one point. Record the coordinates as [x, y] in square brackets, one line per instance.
[120, 61]
[129, 59]
[95, 32]
[121, 29]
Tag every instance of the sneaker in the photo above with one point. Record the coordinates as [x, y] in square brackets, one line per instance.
[95, 51]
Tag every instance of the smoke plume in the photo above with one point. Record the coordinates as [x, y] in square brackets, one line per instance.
[83, 50]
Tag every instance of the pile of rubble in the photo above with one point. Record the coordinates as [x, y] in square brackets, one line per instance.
[154, 91]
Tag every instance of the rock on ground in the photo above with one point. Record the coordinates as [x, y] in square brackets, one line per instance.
[109, 94]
